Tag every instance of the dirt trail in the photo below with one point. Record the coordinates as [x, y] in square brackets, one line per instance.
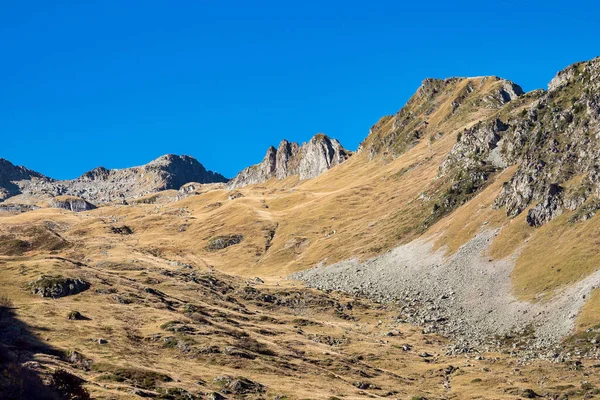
[467, 296]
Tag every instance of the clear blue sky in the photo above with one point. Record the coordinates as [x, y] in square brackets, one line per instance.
[118, 83]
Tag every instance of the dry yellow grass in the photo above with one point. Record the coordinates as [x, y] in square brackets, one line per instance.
[589, 315]
[358, 209]
[555, 255]
[302, 364]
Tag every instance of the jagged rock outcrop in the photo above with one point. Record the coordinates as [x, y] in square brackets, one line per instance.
[554, 137]
[478, 146]
[307, 161]
[102, 185]
[562, 141]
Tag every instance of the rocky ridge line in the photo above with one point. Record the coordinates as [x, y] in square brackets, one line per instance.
[436, 102]
[308, 160]
[102, 185]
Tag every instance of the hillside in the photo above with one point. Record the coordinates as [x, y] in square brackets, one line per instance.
[455, 252]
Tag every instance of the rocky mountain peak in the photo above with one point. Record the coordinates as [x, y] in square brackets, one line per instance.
[99, 173]
[436, 104]
[102, 185]
[176, 171]
[307, 161]
[10, 173]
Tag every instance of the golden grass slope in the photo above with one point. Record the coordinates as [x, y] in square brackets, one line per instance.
[361, 208]
[173, 326]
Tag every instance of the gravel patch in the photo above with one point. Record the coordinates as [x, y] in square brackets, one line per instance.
[466, 296]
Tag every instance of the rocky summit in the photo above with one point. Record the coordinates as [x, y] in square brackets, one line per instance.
[102, 185]
[308, 160]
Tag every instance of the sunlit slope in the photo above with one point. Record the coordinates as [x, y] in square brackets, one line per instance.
[410, 179]
[380, 197]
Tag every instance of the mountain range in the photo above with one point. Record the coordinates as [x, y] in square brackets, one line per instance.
[170, 171]
[452, 255]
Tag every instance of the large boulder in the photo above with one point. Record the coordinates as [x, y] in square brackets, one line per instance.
[58, 286]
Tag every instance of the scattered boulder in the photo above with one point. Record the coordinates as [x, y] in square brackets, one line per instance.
[221, 242]
[121, 230]
[16, 208]
[234, 352]
[364, 385]
[177, 327]
[176, 394]
[79, 360]
[75, 316]
[140, 378]
[255, 281]
[235, 195]
[57, 286]
[142, 393]
[238, 385]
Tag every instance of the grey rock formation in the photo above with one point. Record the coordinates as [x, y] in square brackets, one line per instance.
[70, 203]
[559, 139]
[57, 286]
[10, 174]
[102, 185]
[476, 147]
[16, 208]
[306, 161]
[553, 140]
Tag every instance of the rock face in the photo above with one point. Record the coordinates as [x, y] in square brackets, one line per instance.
[71, 203]
[222, 242]
[102, 185]
[554, 137]
[16, 208]
[306, 161]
